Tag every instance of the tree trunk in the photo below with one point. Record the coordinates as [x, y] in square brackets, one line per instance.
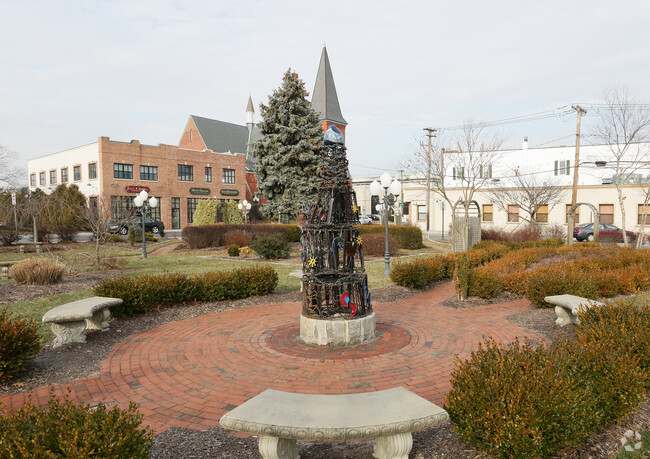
[619, 188]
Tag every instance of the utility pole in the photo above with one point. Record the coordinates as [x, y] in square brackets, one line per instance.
[430, 133]
[574, 196]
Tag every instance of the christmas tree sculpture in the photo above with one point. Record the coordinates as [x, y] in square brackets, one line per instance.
[335, 284]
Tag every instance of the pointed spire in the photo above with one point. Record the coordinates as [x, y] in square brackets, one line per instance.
[324, 99]
[249, 107]
[250, 114]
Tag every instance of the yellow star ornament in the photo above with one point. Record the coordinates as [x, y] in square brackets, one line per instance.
[359, 241]
[355, 209]
[312, 262]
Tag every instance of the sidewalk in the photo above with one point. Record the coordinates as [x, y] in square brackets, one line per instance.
[189, 373]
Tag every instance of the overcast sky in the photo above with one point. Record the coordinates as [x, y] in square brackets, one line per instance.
[71, 71]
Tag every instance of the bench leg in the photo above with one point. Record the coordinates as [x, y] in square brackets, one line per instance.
[565, 317]
[69, 332]
[278, 448]
[394, 446]
[99, 320]
[5, 272]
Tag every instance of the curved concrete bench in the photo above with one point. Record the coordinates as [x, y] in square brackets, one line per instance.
[568, 306]
[280, 418]
[70, 320]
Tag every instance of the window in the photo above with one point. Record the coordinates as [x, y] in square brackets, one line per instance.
[122, 207]
[92, 171]
[606, 213]
[228, 176]
[185, 174]
[52, 177]
[562, 167]
[154, 212]
[149, 173]
[405, 208]
[459, 173]
[576, 215]
[123, 171]
[191, 207]
[485, 172]
[208, 174]
[77, 173]
[176, 213]
[41, 178]
[64, 175]
[32, 180]
[513, 213]
[640, 214]
[542, 214]
[422, 212]
[488, 213]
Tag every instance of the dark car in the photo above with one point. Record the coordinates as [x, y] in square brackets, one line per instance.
[150, 225]
[606, 232]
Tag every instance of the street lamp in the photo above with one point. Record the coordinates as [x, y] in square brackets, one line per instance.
[244, 207]
[376, 190]
[145, 206]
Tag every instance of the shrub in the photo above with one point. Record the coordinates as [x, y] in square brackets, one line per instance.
[238, 237]
[199, 237]
[145, 293]
[518, 401]
[68, 430]
[8, 235]
[293, 233]
[19, 344]
[245, 251]
[422, 271]
[135, 235]
[161, 233]
[233, 250]
[112, 238]
[410, 237]
[66, 233]
[462, 273]
[37, 271]
[375, 244]
[273, 246]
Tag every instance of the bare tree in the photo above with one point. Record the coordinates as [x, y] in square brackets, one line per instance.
[623, 125]
[94, 217]
[9, 174]
[530, 191]
[34, 206]
[468, 159]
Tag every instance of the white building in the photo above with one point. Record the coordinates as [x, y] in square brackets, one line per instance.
[596, 178]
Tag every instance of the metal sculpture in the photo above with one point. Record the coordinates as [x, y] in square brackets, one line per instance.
[334, 280]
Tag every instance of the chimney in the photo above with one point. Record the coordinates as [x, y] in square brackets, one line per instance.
[525, 147]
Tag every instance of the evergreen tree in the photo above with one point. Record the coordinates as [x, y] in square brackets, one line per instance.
[287, 165]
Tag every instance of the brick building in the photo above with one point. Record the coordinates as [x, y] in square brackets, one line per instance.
[210, 162]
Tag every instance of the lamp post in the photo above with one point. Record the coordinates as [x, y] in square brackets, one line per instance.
[376, 190]
[244, 207]
[145, 206]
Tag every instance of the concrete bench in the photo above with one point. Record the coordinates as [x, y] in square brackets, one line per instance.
[280, 418]
[21, 246]
[568, 306]
[4, 268]
[69, 321]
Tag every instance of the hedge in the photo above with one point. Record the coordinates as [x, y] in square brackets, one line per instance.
[409, 237]
[199, 237]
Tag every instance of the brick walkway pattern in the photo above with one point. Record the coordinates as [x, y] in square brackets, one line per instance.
[189, 373]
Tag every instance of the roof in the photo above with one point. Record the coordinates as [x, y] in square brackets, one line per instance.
[224, 137]
[324, 99]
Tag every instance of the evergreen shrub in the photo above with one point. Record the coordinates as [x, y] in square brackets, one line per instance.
[68, 430]
[37, 271]
[375, 244]
[19, 344]
[293, 233]
[200, 237]
[145, 293]
[233, 250]
[135, 235]
[556, 280]
[422, 271]
[518, 401]
[112, 238]
[272, 246]
[410, 237]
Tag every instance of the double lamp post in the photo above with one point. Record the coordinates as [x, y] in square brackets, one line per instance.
[395, 188]
[145, 206]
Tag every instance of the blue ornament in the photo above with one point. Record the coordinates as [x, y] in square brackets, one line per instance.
[332, 135]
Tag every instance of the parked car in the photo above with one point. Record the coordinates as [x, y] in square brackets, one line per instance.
[374, 217]
[365, 219]
[150, 225]
[606, 232]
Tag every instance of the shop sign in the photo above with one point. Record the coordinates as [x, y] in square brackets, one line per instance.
[201, 191]
[227, 192]
[136, 188]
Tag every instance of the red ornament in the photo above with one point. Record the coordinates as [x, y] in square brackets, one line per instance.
[346, 303]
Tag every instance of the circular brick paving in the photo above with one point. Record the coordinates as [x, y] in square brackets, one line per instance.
[191, 372]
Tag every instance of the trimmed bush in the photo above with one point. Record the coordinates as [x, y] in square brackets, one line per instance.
[135, 235]
[240, 238]
[293, 233]
[272, 246]
[375, 244]
[233, 250]
[556, 280]
[19, 344]
[68, 430]
[200, 237]
[518, 401]
[422, 271]
[37, 271]
[145, 293]
[410, 237]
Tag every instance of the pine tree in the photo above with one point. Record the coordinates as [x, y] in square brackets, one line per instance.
[287, 165]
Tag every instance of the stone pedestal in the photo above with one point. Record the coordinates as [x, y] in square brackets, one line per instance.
[337, 331]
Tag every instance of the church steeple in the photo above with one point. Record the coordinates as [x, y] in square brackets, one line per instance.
[250, 114]
[324, 99]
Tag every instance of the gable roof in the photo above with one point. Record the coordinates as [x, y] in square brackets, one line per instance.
[324, 99]
[224, 137]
